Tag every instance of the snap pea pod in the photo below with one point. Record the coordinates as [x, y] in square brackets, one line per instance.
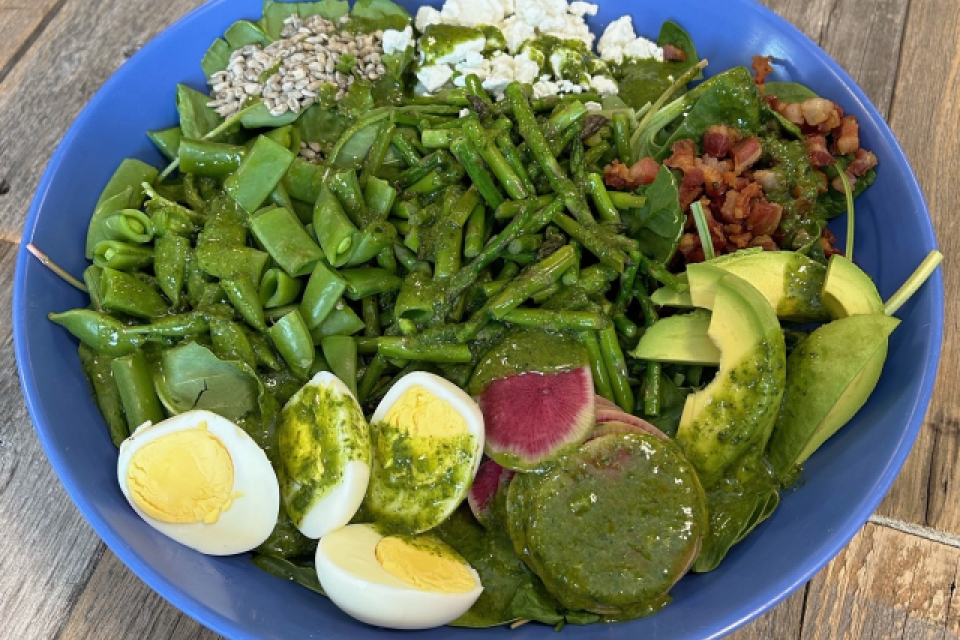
[225, 262]
[378, 151]
[277, 288]
[601, 378]
[244, 295]
[259, 172]
[230, 341]
[176, 326]
[167, 141]
[213, 159]
[473, 164]
[137, 393]
[128, 225]
[262, 351]
[341, 321]
[170, 264]
[303, 180]
[387, 260]
[99, 371]
[284, 238]
[409, 260]
[292, 339]
[368, 281]
[417, 297]
[334, 229]
[123, 191]
[340, 353]
[379, 197]
[122, 292]
[280, 198]
[122, 256]
[323, 291]
[91, 279]
[369, 242]
[372, 376]
[346, 186]
[99, 331]
[616, 366]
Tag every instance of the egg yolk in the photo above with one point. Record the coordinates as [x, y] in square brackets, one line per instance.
[182, 478]
[421, 413]
[424, 565]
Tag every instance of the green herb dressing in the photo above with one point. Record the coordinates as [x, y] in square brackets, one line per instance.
[525, 351]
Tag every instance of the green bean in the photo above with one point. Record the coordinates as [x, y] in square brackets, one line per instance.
[476, 232]
[387, 260]
[546, 293]
[121, 292]
[379, 197]
[170, 265]
[99, 371]
[230, 342]
[413, 349]
[621, 135]
[491, 154]
[625, 326]
[601, 378]
[407, 151]
[595, 152]
[137, 393]
[292, 339]
[122, 256]
[409, 260]
[371, 377]
[213, 159]
[341, 353]
[341, 321]
[323, 291]
[378, 151]
[512, 156]
[346, 187]
[622, 200]
[525, 243]
[405, 208]
[473, 164]
[424, 166]
[259, 173]
[601, 199]
[371, 316]
[368, 281]
[592, 242]
[616, 366]
[449, 244]
[334, 229]
[366, 346]
[534, 279]
[244, 295]
[557, 320]
[179, 325]
[277, 288]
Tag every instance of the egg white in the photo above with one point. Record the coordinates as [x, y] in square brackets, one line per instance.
[339, 505]
[354, 580]
[250, 518]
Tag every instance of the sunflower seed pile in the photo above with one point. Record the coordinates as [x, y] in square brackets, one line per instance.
[305, 58]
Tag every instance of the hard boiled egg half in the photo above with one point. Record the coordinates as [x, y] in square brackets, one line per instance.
[201, 480]
[324, 455]
[398, 582]
[427, 437]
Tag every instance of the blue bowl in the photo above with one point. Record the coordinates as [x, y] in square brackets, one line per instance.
[843, 482]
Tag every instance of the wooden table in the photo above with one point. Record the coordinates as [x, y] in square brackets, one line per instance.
[896, 579]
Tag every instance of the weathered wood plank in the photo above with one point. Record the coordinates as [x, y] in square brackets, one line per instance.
[21, 23]
[117, 604]
[74, 55]
[47, 551]
[886, 584]
[925, 115]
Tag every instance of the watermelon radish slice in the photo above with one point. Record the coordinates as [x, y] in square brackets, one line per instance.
[615, 426]
[603, 403]
[490, 479]
[529, 417]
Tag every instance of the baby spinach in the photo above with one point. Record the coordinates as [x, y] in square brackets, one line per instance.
[833, 203]
[274, 13]
[658, 225]
[790, 92]
[643, 81]
[192, 377]
[196, 118]
[380, 14]
[244, 32]
[216, 58]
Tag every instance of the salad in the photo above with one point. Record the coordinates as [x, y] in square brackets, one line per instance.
[477, 317]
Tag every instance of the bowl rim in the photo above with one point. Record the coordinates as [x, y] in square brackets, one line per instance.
[751, 609]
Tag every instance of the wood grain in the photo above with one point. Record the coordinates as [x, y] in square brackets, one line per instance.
[21, 23]
[75, 54]
[925, 115]
[782, 623]
[886, 584]
[47, 551]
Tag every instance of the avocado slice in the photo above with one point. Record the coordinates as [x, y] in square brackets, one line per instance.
[829, 378]
[669, 297]
[737, 409]
[848, 291]
[680, 339]
[790, 281]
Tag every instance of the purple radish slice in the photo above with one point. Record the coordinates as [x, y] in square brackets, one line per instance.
[530, 417]
[490, 479]
[603, 403]
[615, 426]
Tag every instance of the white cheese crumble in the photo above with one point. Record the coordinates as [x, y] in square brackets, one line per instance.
[397, 41]
[604, 86]
[593, 106]
[498, 72]
[434, 77]
[472, 13]
[426, 16]
[620, 40]
[462, 51]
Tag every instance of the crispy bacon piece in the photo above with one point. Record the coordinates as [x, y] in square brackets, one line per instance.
[718, 140]
[863, 161]
[837, 183]
[817, 111]
[769, 180]
[745, 154]
[713, 180]
[847, 136]
[791, 111]
[764, 218]
[766, 242]
[817, 150]
[692, 186]
[761, 68]
[674, 54]
[738, 241]
[620, 176]
[684, 154]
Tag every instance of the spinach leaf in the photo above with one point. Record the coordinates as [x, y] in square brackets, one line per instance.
[216, 58]
[790, 92]
[833, 203]
[317, 124]
[774, 120]
[196, 118]
[643, 81]
[244, 32]
[355, 149]
[658, 226]
[283, 568]
[274, 13]
[332, 10]
[532, 601]
[380, 14]
[674, 34]
[258, 116]
[192, 377]
[358, 101]
[737, 504]
[397, 63]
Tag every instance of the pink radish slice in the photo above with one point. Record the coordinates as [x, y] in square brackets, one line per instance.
[490, 478]
[529, 417]
[605, 416]
[615, 426]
